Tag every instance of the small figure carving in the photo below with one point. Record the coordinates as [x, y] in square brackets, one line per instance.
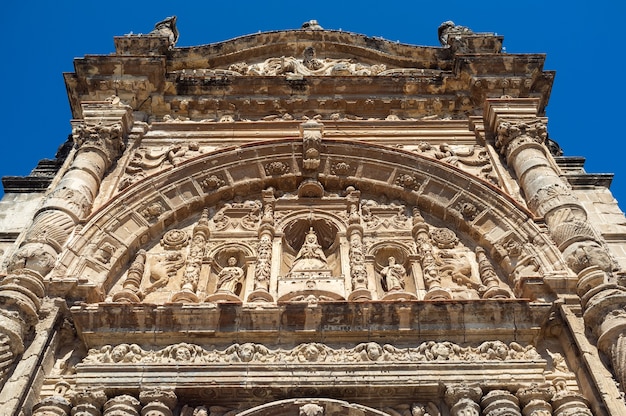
[311, 256]
[311, 25]
[229, 277]
[394, 275]
[448, 28]
[167, 27]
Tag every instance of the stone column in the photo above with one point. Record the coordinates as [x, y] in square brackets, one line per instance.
[519, 136]
[123, 405]
[100, 139]
[358, 272]
[157, 402]
[566, 402]
[191, 275]
[430, 271]
[130, 292]
[52, 406]
[535, 400]
[88, 402]
[263, 267]
[500, 403]
[463, 400]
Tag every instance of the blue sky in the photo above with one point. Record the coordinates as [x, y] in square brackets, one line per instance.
[582, 41]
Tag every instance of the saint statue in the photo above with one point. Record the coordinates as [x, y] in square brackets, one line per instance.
[311, 256]
[229, 276]
[393, 275]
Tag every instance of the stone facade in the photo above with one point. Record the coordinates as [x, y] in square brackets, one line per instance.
[311, 222]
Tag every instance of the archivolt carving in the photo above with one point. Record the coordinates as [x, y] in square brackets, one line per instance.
[313, 352]
[501, 219]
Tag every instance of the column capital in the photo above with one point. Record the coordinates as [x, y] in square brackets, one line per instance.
[509, 109]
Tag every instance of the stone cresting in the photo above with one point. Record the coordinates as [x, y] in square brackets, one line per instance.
[99, 140]
[520, 137]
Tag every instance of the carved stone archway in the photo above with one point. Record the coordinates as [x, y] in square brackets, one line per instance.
[312, 407]
[437, 189]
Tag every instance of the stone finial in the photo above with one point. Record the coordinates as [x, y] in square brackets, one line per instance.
[449, 28]
[311, 25]
[167, 28]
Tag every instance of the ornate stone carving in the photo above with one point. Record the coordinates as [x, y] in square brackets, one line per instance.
[512, 135]
[394, 275]
[88, 402]
[448, 30]
[157, 402]
[131, 289]
[166, 28]
[152, 211]
[308, 65]
[313, 352]
[341, 169]
[535, 400]
[473, 159]
[123, 405]
[212, 183]
[500, 403]
[276, 169]
[312, 133]
[408, 181]
[108, 139]
[174, 240]
[52, 406]
[462, 400]
[311, 409]
[489, 278]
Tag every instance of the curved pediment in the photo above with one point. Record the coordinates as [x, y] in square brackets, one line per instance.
[471, 210]
[329, 46]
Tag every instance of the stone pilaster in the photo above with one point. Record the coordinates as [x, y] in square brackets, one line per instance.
[263, 267]
[463, 400]
[99, 139]
[358, 271]
[519, 136]
[123, 405]
[432, 278]
[500, 403]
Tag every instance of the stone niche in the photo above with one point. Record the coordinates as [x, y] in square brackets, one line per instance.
[297, 248]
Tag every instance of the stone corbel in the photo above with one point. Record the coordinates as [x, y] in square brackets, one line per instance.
[311, 133]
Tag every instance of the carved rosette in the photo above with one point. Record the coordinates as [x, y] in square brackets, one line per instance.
[463, 400]
[88, 402]
[500, 403]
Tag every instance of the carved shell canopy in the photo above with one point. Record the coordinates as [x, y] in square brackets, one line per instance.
[113, 222]
[311, 407]
[296, 231]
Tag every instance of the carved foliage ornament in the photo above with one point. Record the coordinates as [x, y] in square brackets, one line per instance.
[512, 135]
[105, 138]
[312, 352]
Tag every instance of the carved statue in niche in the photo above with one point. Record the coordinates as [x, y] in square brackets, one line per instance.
[394, 275]
[230, 277]
[311, 256]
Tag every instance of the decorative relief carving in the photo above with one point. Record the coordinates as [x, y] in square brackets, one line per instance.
[341, 169]
[472, 159]
[276, 169]
[212, 183]
[309, 65]
[511, 135]
[106, 138]
[311, 133]
[185, 353]
[408, 181]
[152, 211]
[146, 161]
